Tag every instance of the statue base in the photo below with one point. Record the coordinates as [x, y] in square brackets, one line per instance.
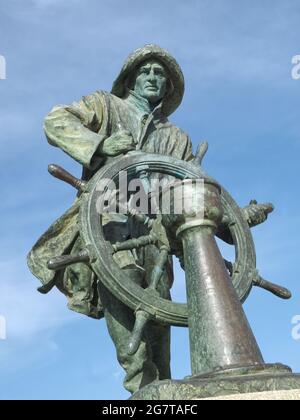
[229, 382]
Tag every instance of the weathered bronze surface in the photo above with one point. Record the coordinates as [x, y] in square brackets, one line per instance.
[223, 337]
[119, 264]
[264, 378]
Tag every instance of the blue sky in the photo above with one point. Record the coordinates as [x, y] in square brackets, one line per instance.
[240, 96]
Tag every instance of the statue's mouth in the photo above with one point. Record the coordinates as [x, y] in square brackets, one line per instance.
[151, 87]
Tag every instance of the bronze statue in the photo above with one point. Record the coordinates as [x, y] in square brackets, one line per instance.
[93, 131]
[119, 264]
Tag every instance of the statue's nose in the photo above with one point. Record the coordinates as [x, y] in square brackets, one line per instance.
[151, 75]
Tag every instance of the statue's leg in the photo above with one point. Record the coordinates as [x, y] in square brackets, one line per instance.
[158, 335]
[140, 369]
[79, 281]
[159, 338]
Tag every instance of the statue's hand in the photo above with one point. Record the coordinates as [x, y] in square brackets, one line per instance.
[256, 214]
[116, 144]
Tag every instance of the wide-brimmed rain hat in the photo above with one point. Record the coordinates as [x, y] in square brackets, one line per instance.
[173, 99]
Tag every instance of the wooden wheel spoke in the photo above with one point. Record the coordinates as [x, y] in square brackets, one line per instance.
[135, 243]
[143, 317]
[160, 265]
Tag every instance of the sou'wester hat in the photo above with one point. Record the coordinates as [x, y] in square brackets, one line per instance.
[172, 100]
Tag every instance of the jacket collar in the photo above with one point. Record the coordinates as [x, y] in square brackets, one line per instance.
[144, 108]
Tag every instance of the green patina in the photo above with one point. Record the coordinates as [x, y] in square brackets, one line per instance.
[119, 266]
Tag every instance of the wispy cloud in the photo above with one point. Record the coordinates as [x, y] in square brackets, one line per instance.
[27, 312]
[32, 320]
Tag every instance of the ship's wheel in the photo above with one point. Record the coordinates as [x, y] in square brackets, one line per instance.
[99, 252]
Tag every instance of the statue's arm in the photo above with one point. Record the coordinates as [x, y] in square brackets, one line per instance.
[188, 150]
[74, 128]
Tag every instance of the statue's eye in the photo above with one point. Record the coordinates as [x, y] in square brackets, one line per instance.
[159, 72]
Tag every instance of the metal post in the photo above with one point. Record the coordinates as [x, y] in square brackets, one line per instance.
[220, 335]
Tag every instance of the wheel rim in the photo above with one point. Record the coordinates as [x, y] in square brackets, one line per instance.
[112, 276]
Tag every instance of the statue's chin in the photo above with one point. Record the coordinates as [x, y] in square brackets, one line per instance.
[152, 98]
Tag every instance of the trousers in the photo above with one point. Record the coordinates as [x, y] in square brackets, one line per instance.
[152, 359]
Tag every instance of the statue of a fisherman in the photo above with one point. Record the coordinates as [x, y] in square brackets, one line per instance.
[100, 127]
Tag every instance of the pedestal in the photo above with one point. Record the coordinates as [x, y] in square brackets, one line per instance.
[225, 357]
[268, 378]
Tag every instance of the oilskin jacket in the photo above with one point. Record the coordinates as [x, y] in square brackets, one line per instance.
[79, 129]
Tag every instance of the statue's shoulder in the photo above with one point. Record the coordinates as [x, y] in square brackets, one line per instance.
[176, 131]
[103, 94]
[110, 100]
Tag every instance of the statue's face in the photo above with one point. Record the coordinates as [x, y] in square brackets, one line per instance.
[151, 81]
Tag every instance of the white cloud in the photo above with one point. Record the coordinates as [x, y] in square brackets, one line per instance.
[32, 319]
[27, 312]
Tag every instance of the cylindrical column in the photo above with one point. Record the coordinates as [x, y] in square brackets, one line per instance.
[220, 335]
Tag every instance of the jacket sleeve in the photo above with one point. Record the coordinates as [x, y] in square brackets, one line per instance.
[188, 151]
[75, 128]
